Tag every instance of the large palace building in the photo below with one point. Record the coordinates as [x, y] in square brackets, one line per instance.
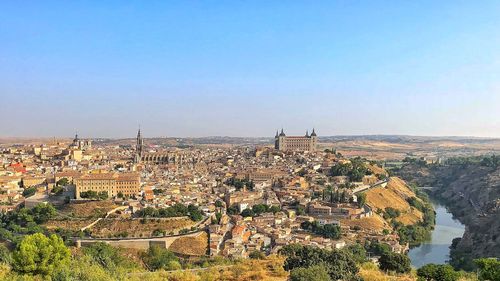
[295, 143]
[128, 184]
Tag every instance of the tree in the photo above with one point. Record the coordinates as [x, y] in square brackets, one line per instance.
[57, 190]
[399, 263]
[257, 255]
[438, 272]
[105, 255]
[30, 191]
[489, 268]
[160, 258]
[247, 213]
[340, 264]
[274, 209]
[39, 254]
[42, 213]
[358, 252]
[62, 182]
[219, 204]
[312, 273]
[5, 255]
[361, 199]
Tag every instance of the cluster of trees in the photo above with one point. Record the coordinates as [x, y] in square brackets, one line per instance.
[417, 233]
[437, 272]
[336, 196]
[177, 210]
[488, 268]
[25, 221]
[355, 170]
[416, 161]
[342, 195]
[396, 262]
[103, 195]
[306, 262]
[391, 213]
[258, 209]
[491, 161]
[331, 231]
[39, 255]
[62, 182]
[28, 192]
[240, 183]
[58, 188]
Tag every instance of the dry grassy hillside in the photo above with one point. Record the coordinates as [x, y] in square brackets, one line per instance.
[394, 195]
[191, 246]
[138, 227]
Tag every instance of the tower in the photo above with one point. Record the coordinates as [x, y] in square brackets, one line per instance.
[138, 147]
[314, 140]
[279, 140]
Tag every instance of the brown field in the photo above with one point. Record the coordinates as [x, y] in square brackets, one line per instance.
[191, 246]
[138, 227]
[374, 223]
[376, 170]
[68, 224]
[91, 209]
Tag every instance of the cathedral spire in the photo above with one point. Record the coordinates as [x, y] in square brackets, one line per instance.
[313, 134]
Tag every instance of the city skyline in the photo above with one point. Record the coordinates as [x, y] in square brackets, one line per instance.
[239, 69]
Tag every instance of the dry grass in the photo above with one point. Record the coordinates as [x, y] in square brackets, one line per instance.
[376, 169]
[270, 269]
[374, 223]
[91, 209]
[370, 272]
[394, 195]
[191, 246]
[69, 224]
[138, 227]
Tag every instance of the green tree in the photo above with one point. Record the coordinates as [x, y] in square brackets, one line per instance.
[30, 191]
[247, 213]
[437, 272]
[62, 182]
[340, 264]
[39, 254]
[159, 258]
[361, 199]
[5, 255]
[105, 255]
[489, 269]
[312, 273]
[257, 255]
[399, 263]
[358, 252]
[42, 213]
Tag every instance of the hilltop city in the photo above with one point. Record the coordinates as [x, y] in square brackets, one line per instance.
[234, 202]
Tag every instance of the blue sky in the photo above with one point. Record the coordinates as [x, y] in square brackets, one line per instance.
[245, 68]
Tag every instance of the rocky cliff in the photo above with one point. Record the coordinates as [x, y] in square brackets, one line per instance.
[472, 192]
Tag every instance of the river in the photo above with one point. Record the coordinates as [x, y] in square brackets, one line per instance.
[437, 249]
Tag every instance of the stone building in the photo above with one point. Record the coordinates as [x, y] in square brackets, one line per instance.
[127, 184]
[308, 142]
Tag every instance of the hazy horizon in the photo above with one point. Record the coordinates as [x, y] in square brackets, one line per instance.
[204, 69]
